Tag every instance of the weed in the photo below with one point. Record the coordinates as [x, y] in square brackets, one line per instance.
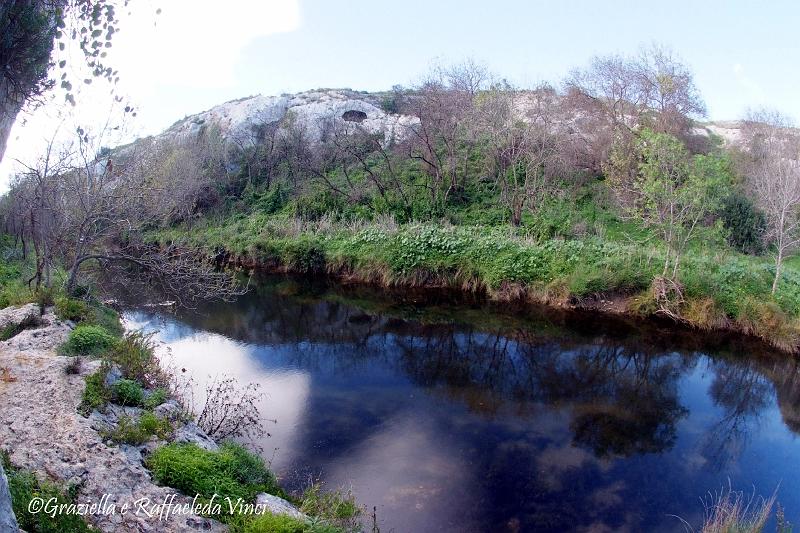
[71, 309]
[155, 398]
[729, 511]
[138, 432]
[6, 376]
[74, 366]
[134, 355]
[24, 487]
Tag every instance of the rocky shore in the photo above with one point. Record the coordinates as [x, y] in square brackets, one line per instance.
[42, 431]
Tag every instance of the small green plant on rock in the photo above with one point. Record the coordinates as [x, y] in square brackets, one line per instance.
[156, 398]
[336, 507]
[134, 355]
[23, 487]
[140, 431]
[128, 392]
[71, 309]
[230, 472]
[96, 394]
[272, 523]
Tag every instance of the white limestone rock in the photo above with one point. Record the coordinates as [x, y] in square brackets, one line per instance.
[267, 503]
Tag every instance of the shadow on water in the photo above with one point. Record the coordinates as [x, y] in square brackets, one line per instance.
[450, 415]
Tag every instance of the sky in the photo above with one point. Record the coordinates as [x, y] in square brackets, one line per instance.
[199, 53]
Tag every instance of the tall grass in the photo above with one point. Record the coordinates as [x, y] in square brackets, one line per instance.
[729, 511]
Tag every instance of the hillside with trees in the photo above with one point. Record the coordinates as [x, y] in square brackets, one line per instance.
[605, 190]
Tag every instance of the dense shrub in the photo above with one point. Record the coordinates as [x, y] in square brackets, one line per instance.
[128, 392]
[156, 398]
[95, 394]
[105, 317]
[88, 340]
[148, 425]
[303, 255]
[134, 355]
[744, 223]
[270, 523]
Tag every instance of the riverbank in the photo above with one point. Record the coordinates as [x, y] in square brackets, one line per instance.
[720, 290]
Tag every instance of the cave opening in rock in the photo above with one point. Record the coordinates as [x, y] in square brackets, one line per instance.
[354, 116]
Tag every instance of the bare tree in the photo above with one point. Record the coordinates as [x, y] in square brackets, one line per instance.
[85, 209]
[773, 168]
[524, 145]
[668, 89]
[444, 142]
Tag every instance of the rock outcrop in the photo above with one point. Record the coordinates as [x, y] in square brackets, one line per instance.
[310, 111]
[267, 503]
[15, 319]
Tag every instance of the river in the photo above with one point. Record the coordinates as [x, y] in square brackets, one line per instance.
[460, 417]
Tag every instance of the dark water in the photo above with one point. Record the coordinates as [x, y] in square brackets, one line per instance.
[469, 419]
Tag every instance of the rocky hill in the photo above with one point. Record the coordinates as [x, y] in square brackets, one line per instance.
[312, 111]
[309, 111]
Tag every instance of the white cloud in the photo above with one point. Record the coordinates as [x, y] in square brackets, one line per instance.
[195, 43]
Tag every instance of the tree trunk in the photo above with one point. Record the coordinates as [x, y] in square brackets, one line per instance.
[9, 109]
[778, 264]
[73, 277]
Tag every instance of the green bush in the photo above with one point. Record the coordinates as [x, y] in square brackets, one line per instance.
[106, 317]
[745, 224]
[128, 392]
[270, 523]
[156, 398]
[23, 487]
[333, 506]
[88, 340]
[71, 309]
[231, 472]
[304, 255]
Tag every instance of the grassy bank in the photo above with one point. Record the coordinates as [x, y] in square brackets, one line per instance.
[722, 289]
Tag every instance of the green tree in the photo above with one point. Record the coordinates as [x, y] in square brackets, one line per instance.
[676, 192]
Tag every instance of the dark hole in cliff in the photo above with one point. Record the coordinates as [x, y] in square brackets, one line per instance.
[354, 116]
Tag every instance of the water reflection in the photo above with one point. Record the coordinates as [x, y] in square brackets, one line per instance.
[462, 420]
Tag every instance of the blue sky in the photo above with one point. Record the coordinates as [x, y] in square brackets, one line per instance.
[743, 53]
[198, 53]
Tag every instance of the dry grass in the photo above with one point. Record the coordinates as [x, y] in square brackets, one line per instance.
[768, 321]
[729, 511]
[704, 313]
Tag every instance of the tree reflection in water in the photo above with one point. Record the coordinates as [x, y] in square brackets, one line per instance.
[559, 421]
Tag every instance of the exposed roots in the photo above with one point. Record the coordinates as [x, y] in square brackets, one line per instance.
[668, 295]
